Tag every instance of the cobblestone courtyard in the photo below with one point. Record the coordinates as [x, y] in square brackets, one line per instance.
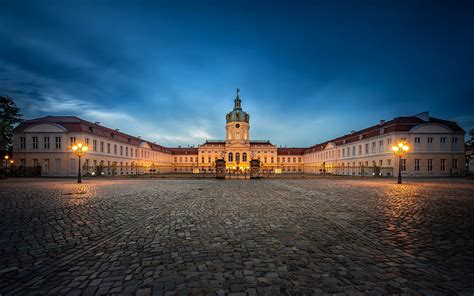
[300, 236]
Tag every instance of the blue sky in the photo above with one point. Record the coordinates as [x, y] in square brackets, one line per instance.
[308, 70]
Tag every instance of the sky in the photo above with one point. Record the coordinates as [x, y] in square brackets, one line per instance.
[307, 71]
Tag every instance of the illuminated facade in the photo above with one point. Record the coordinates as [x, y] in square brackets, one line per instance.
[436, 149]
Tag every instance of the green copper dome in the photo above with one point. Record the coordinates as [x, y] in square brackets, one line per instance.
[237, 114]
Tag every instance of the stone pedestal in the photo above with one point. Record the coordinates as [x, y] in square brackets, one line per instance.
[254, 169]
[220, 169]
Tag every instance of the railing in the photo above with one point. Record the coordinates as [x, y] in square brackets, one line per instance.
[364, 171]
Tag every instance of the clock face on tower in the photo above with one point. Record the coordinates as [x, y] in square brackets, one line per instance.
[237, 125]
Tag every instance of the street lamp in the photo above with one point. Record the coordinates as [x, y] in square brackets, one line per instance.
[79, 150]
[400, 149]
[5, 172]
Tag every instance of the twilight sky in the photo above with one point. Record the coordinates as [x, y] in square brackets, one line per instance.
[308, 71]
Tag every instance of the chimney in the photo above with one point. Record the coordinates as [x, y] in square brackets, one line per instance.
[97, 123]
[425, 116]
[382, 121]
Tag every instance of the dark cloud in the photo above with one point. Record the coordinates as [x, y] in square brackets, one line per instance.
[173, 65]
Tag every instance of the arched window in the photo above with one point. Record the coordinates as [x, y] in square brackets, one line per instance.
[237, 157]
[231, 157]
[244, 156]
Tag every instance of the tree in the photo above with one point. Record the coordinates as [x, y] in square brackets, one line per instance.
[9, 116]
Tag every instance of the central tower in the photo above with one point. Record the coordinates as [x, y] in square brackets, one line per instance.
[237, 123]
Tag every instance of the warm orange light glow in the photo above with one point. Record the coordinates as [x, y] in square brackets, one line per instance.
[80, 149]
[400, 149]
[7, 157]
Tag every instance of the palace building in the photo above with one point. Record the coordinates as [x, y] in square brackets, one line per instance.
[44, 144]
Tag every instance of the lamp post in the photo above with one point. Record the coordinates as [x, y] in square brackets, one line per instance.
[79, 150]
[400, 149]
[5, 172]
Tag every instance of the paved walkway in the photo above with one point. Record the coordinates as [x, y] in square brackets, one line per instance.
[265, 237]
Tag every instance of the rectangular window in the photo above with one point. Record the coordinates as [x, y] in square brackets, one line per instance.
[389, 162]
[35, 162]
[126, 151]
[102, 147]
[121, 150]
[381, 146]
[58, 142]
[87, 141]
[360, 149]
[442, 140]
[72, 140]
[343, 152]
[22, 143]
[430, 140]
[417, 165]
[115, 149]
[108, 148]
[455, 140]
[46, 142]
[374, 145]
[403, 140]
[46, 165]
[35, 142]
[380, 162]
[366, 148]
[94, 145]
[417, 140]
[353, 150]
[389, 142]
[57, 165]
[403, 164]
[443, 165]
[455, 164]
[430, 165]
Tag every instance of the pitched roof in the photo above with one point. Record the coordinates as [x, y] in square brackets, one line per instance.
[399, 124]
[261, 142]
[291, 151]
[76, 124]
[184, 150]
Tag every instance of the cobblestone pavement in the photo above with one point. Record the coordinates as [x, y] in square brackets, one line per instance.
[265, 237]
